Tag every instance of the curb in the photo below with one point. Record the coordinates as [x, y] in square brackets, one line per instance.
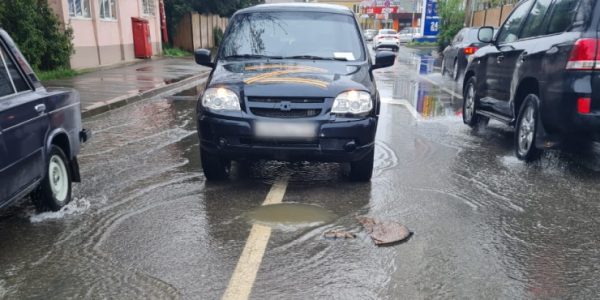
[135, 96]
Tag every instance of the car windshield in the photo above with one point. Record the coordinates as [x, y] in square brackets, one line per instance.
[387, 32]
[301, 35]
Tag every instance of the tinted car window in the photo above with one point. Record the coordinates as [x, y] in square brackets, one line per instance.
[533, 24]
[293, 34]
[510, 30]
[17, 79]
[5, 84]
[387, 32]
[562, 15]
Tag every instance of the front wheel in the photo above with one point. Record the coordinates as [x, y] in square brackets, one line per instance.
[362, 170]
[526, 130]
[55, 190]
[215, 167]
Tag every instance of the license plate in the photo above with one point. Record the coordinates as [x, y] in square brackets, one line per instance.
[285, 130]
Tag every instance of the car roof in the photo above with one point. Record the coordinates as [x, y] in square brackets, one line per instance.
[310, 7]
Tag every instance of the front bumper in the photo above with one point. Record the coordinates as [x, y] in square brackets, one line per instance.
[344, 140]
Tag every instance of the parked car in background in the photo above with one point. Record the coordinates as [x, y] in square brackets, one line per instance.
[386, 38]
[40, 134]
[290, 100]
[541, 74]
[370, 34]
[409, 34]
[461, 49]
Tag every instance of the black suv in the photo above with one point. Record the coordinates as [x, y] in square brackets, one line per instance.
[290, 82]
[541, 74]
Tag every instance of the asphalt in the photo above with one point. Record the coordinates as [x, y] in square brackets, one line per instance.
[146, 224]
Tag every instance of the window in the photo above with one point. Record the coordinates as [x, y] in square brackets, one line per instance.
[10, 78]
[562, 15]
[6, 87]
[108, 9]
[79, 8]
[290, 34]
[459, 37]
[148, 6]
[510, 30]
[533, 24]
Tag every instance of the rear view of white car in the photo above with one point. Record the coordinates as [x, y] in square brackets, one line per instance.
[386, 38]
[408, 35]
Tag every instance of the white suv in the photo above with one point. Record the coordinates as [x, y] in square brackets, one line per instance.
[407, 35]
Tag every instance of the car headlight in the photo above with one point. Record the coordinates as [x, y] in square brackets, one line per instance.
[352, 102]
[220, 99]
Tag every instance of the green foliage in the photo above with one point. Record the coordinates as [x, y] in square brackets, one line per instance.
[421, 44]
[175, 52]
[218, 36]
[37, 31]
[176, 9]
[452, 17]
[59, 73]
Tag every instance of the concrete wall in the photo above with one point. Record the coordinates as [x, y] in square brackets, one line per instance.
[99, 42]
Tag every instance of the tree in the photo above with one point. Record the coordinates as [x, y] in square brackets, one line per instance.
[37, 31]
[452, 17]
[176, 9]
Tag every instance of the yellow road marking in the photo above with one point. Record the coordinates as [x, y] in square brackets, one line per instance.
[244, 275]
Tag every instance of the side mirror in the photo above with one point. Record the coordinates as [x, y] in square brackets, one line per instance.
[384, 59]
[486, 34]
[203, 58]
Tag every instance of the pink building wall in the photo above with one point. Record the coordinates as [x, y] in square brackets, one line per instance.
[99, 42]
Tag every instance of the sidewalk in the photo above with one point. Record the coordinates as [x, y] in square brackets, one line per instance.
[107, 89]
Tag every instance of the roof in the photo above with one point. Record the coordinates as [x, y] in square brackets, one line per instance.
[312, 7]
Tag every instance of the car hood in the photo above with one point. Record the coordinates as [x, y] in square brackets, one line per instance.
[293, 78]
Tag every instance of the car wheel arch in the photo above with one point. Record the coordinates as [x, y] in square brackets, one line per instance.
[527, 86]
[60, 138]
[468, 76]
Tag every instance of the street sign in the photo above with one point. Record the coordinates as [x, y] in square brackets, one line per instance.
[431, 20]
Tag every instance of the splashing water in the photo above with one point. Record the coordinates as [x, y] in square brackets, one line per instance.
[77, 206]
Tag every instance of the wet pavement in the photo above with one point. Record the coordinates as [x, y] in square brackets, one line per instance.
[110, 83]
[145, 223]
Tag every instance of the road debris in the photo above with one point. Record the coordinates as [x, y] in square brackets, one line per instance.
[384, 232]
[339, 234]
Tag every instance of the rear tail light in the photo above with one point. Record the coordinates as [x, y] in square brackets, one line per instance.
[584, 55]
[584, 105]
[470, 50]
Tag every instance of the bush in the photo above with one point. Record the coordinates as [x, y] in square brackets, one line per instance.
[175, 52]
[218, 36]
[37, 31]
[452, 17]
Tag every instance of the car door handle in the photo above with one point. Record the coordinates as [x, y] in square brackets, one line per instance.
[500, 58]
[40, 108]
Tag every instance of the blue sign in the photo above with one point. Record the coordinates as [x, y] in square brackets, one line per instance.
[431, 20]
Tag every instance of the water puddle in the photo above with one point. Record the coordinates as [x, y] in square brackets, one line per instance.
[291, 214]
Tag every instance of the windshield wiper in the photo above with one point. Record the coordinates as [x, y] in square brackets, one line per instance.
[313, 57]
[252, 56]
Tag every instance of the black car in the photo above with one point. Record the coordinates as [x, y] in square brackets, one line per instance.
[456, 56]
[541, 74]
[40, 134]
[290, 82]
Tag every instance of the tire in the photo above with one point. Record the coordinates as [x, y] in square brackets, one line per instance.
[362, 170]
[215, 167]
[526, 130]
[455, 71]
[470, 103]
[55, 190]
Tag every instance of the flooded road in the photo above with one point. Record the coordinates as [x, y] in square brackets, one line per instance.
[145, 224]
